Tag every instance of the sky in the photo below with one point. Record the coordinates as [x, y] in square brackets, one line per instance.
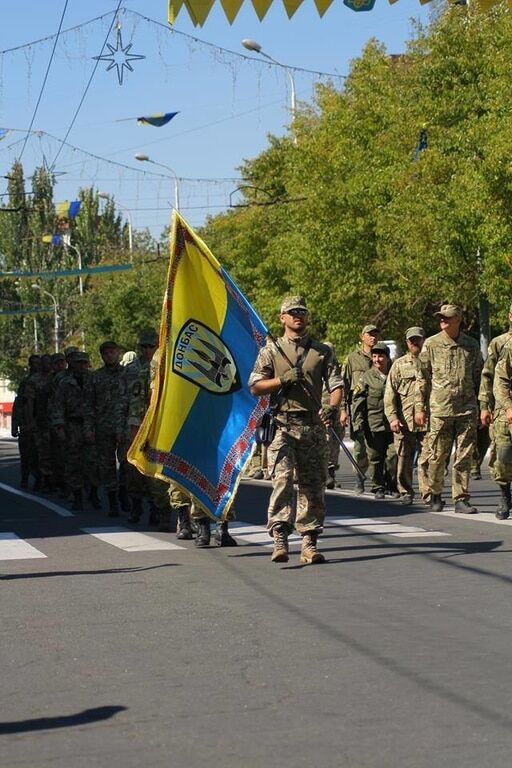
[228, 99]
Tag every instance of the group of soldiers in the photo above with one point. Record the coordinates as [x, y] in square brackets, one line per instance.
[74, 427]
[437, 402]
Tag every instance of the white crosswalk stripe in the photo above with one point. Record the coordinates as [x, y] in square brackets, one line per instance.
[14, 548]
[128, 540]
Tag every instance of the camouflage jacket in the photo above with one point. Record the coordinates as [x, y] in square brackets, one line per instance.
[319, 366]
[449, 375]
[498, 347]
[104, 393]
[356, 363]
[368, 402]
[400, 392]
[20, 401]
[69, 402]
[139, 395]
[502, 389]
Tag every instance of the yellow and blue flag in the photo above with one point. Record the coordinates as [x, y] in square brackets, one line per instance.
[199, 429]
[157, 120]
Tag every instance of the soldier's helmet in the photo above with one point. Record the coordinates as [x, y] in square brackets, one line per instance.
[148, 338]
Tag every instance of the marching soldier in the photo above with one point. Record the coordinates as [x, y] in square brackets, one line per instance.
[502, 470]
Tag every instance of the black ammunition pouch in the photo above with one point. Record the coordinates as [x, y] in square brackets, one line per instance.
[266, 429]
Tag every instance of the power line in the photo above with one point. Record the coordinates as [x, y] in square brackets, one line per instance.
[45, 78]
[50, 37]
[52, 166]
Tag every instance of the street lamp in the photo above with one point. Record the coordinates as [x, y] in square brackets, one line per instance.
[252, 45]
[106, 196]
[37, 287]
[146, 159]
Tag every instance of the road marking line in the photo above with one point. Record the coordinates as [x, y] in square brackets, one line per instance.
[31, 497]
[14, 548]
[480, 517]
[129, 541]
[257, 534]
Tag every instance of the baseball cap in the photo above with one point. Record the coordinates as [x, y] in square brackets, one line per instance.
[415, 331]
[80, 357]
[369, 329]
[69, 351]
[449, 310]
[109, 344]
[293, 302]
[148, 336]
[57, 356]
[381, 347]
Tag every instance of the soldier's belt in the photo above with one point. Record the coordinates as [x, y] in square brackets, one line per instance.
[303, 417]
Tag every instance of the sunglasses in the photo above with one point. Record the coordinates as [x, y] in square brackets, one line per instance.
[297, 312]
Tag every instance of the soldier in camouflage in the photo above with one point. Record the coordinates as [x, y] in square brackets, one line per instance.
[337, 431]
[69, 420]
[399, 399]
[447, 384]
[300, 442]
[357, 362]
[502, 414]
[21, 429]
[102, 419]
[368, 416]
[37, 393]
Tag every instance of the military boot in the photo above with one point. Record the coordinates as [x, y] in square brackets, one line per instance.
[136, 513]
[124, 499]
[436, 502]
[184, 529]
[309, 553]
[331, 482]
[77, 505]
[93, 498]
[222, 536]
[503, 509]
[463, 507]
[113, 507]
[280, 551]
[359, 486]
[203, 532]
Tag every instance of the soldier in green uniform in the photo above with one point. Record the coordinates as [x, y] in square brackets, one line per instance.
[58, 361]
[399, 400]
[300, 442]
[333, 444]
[102, 419]
[21, 429]
[37, 393]
[69, 420]
[356, 363]
[369, 417]
[502, 411]
[447, 384]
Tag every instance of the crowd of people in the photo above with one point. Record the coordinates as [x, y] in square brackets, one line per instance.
[437, 401]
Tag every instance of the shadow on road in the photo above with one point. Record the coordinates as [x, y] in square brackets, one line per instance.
[109, 571]
[93, 715]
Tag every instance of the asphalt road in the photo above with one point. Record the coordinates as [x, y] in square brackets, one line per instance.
[115, 653]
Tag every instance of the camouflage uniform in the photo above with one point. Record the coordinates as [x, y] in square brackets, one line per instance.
[69, 411]
[368, 417]
[102, 418]
[37, 393]
[300, 442]
[502, 400]
[333, 445]
[399, 400]
[356, 363]
[498, 348]
[447, 383]
[25, 434]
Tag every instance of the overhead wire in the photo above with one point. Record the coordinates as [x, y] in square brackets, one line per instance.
[45, 78]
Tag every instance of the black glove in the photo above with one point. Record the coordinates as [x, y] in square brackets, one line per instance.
[291, 376]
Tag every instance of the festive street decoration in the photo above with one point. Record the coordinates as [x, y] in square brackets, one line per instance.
[119, 57]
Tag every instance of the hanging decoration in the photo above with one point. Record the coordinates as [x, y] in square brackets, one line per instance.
[120, 56]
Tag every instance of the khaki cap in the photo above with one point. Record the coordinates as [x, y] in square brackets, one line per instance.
[449, 310]
[293, 302]
[381, 347]
[70, 351]
[415, 331]
[80, 357]
[370, 328]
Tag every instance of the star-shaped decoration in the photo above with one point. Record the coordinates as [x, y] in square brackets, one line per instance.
[119, 57]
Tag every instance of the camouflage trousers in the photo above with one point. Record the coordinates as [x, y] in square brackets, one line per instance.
[43, 446]
[382, 460]
[459, 431]
[300, 445]
[333, 446]
[28, 454]
[57, 458]
[407, 444]
[80, 458]
[502, 470]
[483, 441]
[107, 450]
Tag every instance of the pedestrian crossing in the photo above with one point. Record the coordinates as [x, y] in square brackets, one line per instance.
[12, 547]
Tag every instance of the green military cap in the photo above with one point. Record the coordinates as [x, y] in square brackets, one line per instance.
[57, 356]
[109, 344]
[80, 357]
[370, 329]
[293, 302]
[415, 331]
[449, 310]
[70, 351]
[381, 347]
[148, 337]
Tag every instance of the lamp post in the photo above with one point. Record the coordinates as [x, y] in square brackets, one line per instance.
[106, 196]
[37, 287]
[146, 159]
[252, 45]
